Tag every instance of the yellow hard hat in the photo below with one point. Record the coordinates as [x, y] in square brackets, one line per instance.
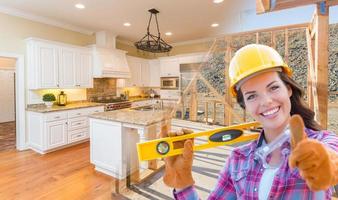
[251, 59]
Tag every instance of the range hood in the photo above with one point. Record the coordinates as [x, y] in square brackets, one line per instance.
[108, 62]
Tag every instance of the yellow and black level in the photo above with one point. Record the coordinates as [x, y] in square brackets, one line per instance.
[163, 147]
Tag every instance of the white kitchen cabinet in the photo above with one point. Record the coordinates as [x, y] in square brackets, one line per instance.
[140, 73]
[53, 130]
[135, 65]
[56, 133]
[43, 65]
[83, 75]
[154, 68]
[145, 73]
[58, 65]
[67, 67]
[169, 67]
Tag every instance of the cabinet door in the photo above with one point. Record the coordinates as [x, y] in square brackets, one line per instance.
[154, 71]
[135, 71]
[47, 55]
[145, 73]
[170, 67]
[67, 66]
[83, 72]
[56, 133]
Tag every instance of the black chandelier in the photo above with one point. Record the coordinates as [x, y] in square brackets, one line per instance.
[151, 42]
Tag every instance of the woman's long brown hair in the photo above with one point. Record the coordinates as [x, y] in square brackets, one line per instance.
[298, 105]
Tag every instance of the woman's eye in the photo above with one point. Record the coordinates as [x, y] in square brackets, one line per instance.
[250, 97]
[274, 87]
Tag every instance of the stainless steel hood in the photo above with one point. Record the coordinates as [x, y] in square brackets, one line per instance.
[107, 60]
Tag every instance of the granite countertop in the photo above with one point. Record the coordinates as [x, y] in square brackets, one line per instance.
[138, 117]
[42, 108]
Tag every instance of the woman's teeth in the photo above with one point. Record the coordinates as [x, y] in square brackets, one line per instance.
[270, 112]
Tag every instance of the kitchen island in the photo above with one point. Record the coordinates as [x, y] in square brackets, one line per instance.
[113, 138]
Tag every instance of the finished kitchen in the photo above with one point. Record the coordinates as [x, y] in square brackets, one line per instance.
[119, 99]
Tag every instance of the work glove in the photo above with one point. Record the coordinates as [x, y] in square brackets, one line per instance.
[178, 169]
[317, 164]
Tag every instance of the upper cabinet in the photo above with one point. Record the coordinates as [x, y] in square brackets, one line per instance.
[169, 66]
[154, 68]
[57, 65]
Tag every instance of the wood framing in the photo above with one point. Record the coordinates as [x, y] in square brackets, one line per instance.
[317, 41]
[321, 64]
[263, 6]
[193, 101]
[227, 97]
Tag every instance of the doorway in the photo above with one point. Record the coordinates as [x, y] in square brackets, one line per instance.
[7, 104]
[14, 72]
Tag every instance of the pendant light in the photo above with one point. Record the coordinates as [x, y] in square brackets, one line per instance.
[150, 42]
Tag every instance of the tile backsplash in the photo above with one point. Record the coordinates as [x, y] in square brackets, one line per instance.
[102, 87]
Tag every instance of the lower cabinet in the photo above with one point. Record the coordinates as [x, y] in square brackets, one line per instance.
[54, 130]
[56, 133]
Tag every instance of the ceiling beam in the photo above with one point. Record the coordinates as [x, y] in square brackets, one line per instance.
[264, 6]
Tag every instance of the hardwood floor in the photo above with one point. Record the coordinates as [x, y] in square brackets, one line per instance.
[7, 135]
[64, 174]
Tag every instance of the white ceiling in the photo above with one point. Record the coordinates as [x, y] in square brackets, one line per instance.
[186, 19]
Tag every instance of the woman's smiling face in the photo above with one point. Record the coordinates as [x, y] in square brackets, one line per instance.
[267, 99]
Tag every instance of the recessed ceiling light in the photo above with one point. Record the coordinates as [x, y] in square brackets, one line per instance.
[214, 25]
[126, 24]
[80, 6]
[218, 1]
[168, 33]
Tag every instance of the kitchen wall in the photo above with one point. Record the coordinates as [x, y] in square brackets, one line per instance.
[7, 90]
[14, 30]
[102, 87]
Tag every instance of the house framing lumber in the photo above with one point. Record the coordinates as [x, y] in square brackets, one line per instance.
[317, 41]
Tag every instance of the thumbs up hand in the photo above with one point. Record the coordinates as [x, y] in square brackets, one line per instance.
[314, 161]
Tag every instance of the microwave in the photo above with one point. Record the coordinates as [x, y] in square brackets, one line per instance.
[170, 83]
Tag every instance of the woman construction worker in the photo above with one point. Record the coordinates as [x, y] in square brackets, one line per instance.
[304, 167]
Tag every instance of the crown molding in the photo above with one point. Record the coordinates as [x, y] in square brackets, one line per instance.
[44, 20]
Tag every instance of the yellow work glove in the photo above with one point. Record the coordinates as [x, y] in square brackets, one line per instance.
[317, 164]
[178, 169]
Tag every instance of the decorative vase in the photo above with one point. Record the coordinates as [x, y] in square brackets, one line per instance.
[49, 103]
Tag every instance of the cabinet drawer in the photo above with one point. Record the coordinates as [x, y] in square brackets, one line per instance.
[77, 123]
[77, 135]
[55, 116]
[77, 113]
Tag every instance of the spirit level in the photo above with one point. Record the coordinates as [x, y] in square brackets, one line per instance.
[163, 147]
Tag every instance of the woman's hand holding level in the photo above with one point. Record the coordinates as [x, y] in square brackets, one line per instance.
[178, 169]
